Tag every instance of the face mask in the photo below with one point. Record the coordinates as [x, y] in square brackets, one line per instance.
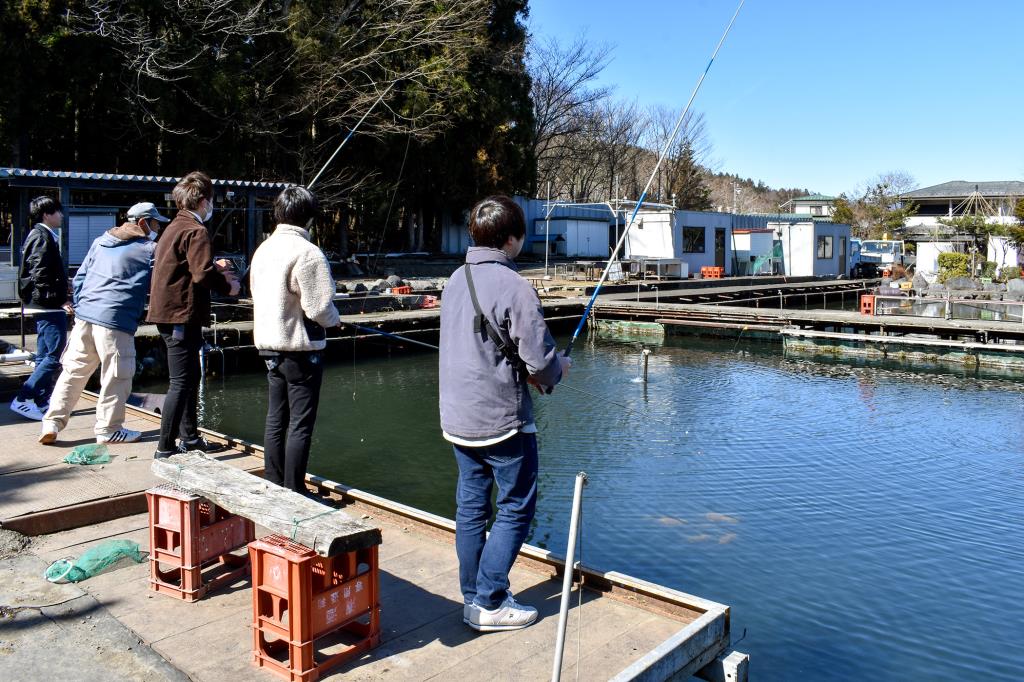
[209, 212]
[152, 236]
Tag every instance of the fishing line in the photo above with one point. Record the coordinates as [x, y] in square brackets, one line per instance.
[563, 384]
[650, 181]
[391, 206]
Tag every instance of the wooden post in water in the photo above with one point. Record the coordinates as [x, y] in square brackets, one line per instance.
[647, 355]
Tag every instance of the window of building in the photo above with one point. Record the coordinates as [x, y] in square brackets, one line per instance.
[825, 247]
[842, 249]
[693, 240]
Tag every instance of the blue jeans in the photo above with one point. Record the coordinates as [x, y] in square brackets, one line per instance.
[51, 337]
[484, 562]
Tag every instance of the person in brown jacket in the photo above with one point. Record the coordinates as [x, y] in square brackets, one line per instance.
[184, 274]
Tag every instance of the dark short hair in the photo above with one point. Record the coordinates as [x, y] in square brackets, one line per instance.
[192, 189]
[494, 219]
[295, 205]
[41, 206]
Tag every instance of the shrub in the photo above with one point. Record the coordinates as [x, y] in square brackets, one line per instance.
[1009, 272]
[953, 265]
[988, 269]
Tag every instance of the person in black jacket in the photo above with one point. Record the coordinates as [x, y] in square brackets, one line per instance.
[43, 288]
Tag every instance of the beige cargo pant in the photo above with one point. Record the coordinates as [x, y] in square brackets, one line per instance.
[89, 346]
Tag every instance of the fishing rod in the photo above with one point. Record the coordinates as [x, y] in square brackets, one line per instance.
[643, 195]
[405, 339]
[350, 134]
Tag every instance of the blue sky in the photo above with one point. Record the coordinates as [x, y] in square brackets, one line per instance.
[824, 94]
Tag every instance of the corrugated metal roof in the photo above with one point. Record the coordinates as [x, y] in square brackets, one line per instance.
[120, 177]
[815, 197]
[961, 189]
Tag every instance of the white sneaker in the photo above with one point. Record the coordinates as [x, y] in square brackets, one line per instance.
[28, 410]
[511, 615]
[48, 436]
[122, 435]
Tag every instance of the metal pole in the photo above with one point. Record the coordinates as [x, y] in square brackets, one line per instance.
[647, 356]
[570, 564]
[547, 232]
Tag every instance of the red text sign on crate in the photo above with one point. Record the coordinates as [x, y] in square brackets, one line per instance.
[190, 544]
[299, 598]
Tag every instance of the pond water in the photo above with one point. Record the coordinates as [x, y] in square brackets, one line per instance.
[862, 521]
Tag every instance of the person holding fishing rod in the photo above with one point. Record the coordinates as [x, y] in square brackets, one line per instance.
[494, 344]
[293, 305]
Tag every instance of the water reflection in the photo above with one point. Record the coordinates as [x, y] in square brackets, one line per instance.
[838, 508]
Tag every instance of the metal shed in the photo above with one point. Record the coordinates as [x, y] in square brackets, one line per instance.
[94, 202]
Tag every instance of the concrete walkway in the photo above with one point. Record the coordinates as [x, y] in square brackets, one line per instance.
[41, 494]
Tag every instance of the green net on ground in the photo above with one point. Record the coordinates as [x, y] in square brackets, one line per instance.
[91, 453]
[93, 561]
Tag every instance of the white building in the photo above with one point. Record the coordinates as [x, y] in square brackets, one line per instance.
[795, 244]
[813, 248]
[815, 205]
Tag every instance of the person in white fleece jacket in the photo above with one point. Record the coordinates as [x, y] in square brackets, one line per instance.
[293, 296]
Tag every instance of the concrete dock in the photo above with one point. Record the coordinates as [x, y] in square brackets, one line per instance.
[625, 629]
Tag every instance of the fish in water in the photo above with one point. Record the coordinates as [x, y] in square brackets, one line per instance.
[703, 537]
[727, 538]
[715, 517]
[670, 521]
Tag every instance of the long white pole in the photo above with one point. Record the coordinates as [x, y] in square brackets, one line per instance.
[570, 564]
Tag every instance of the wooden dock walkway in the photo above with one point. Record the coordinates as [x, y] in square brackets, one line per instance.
[627, 628]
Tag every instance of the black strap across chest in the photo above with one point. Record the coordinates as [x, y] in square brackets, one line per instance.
[483, 326]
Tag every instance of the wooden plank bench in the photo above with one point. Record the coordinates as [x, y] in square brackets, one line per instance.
[325, 530]
[316, 576]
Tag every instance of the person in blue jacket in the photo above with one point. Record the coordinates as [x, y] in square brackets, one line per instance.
[109, 292]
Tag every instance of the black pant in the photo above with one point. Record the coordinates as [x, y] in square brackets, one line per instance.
[294, 380]
[180, 415]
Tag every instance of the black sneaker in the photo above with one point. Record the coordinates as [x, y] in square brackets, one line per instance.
[164, 454]
[202, 445]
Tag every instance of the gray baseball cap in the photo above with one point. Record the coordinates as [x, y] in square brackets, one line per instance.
[146, 210]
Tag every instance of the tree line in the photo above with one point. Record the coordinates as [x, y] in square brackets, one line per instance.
[267, 89]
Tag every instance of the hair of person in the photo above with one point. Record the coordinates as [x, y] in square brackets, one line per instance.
[43, 205]
[295, 205]
[191, 190]
[494, 219]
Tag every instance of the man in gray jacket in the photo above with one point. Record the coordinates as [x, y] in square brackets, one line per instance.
[109, 290]
[494, 342]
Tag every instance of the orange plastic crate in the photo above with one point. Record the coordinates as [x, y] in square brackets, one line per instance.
[190, 544]
[867, 304]
[711, 272]
[400, 290]
[299, 597]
